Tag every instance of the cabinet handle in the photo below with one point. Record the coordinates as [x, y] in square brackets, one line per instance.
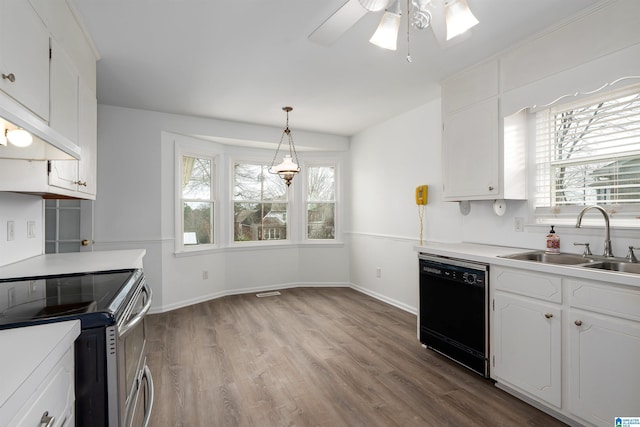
[548, 315]
[81, 183]
[578, 322]
[46, 420]
[11, 77]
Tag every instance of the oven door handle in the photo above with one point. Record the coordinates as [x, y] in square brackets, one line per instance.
[147, 414]
[138, 317]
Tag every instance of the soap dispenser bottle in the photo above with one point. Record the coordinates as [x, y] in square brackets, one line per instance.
[553, 242]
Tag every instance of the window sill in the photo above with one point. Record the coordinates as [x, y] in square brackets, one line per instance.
[252, 246]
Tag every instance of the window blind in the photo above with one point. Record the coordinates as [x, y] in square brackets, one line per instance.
[588, 152]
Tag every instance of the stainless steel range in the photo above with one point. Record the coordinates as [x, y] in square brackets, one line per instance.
[113, 383]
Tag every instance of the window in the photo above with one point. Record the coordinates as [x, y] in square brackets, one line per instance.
[589, 153]
[260, 204]
[321, 205]
[197, 200]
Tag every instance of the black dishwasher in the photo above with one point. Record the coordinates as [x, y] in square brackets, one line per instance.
[454, 310]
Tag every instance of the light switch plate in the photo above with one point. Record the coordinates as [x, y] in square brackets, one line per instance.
[11, 230]
[31, 229]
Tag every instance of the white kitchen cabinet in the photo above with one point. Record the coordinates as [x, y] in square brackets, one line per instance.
[526, 337]
[24, 56]
[80, 175]
[37, 369]
[604, 350]
[471, 152]
[64, 93]
[483, 155]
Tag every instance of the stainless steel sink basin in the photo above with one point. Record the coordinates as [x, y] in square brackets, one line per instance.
[621, 266]
[543, 257]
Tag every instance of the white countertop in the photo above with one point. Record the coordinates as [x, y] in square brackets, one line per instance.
[489, 254]
[75, 262]
[27, 355]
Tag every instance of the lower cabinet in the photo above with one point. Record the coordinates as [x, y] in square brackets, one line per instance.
[527, 345]
[576, 354]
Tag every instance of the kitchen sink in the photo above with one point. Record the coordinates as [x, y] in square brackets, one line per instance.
[621, 266]
[545, 258]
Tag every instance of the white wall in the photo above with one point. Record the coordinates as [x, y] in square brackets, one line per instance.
[387, 162]
[20, 208]
[135, 208]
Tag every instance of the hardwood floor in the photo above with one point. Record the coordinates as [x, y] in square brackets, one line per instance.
[313, 357]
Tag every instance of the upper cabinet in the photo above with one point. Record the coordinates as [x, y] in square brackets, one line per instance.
[24, 56]
[474, 143]
[68, 95]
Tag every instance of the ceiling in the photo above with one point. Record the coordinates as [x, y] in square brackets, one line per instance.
[245, 60]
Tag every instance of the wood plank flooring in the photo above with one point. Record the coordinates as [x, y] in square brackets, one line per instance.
[313, 357]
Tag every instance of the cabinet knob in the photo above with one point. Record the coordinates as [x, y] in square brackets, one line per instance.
[46, 420]
[548, 315]
[81, 183]
[490, 188]
[578, 322]
[11, 77]
[85, 242]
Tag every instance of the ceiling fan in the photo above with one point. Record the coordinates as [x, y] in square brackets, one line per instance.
[447, 19]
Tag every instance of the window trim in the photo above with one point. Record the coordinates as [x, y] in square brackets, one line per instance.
[181, 150]
[291, 216]
[336, 205]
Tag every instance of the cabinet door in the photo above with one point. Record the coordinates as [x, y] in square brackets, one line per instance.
[87, 134]
[24, 54]
[64, 94]
[603, 358]
[471, 153]
[526, 346]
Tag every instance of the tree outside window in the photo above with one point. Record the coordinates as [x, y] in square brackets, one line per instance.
[321, 205]
[260, 204]
[197, 201]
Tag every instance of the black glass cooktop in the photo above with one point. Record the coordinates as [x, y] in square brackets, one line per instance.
[94, 298]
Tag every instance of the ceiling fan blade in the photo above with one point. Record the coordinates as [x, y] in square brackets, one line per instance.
[337, 24]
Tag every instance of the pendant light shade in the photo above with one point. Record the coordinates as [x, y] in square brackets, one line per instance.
[288, 168]
[386, 36]
[458, 17]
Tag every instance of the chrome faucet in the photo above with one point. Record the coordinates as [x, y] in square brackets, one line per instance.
[607, 236]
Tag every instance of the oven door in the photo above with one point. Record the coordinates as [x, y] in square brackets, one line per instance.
[134, 377]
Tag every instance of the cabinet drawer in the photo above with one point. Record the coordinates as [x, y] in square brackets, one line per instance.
[536, 285]
[604, 298]
[55, 395]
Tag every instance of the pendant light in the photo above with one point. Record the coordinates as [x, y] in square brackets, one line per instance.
[288, 168]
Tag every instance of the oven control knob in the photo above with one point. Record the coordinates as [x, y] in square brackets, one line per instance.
[469, 278]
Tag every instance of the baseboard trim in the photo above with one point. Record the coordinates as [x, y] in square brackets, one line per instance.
[257, 289]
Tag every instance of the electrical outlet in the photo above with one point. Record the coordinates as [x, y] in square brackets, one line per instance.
[205, 274]
[518, 224]
[378, 272]
[11, 230]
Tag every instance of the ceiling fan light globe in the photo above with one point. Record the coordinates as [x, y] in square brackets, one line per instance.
[458, 17]
[374, 5]
[386, 36]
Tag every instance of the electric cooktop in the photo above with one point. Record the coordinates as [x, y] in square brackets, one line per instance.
[94, 298]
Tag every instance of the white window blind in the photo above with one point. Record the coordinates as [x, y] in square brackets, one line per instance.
[588, 153]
